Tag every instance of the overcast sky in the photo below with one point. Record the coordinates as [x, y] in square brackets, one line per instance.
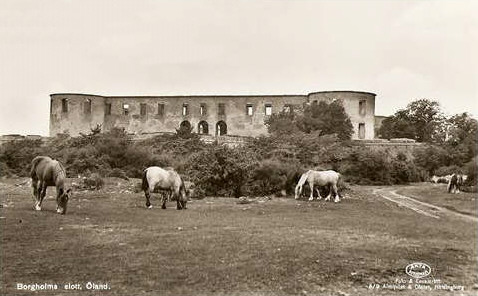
[400, 50]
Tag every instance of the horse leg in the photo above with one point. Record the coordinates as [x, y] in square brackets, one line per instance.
[177, 196]
[319, 197]
[38, 197]
[42, 194]
[329, 194]
[36, 194]
[164, 198]
[336, 192]
[147, 194]
[58, 195]
[311, 185]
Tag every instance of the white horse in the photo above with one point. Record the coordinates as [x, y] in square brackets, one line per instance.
[164, 179]
[319, 178]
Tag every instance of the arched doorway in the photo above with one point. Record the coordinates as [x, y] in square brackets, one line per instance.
[221, 128]
[185, 127]
[203, 128]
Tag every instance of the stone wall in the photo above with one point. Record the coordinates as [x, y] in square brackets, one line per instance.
[77, 118]
[166, 113]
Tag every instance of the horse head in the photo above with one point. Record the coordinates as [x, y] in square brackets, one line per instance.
[63, 198]
[183, 195]
[189, 187]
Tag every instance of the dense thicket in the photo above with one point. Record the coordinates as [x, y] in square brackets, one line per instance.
[262, 166]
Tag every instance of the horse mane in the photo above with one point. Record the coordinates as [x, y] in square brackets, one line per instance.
[303, 178]
[59, 170]
[300, 184]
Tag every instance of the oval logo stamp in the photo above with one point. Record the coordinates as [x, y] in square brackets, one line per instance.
[418, 270]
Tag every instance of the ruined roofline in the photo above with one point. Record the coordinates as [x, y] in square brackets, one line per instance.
[217, 96]
[342, 91]
[75, 94]
[177, 96]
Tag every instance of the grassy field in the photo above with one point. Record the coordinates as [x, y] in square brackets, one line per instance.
[217, 246]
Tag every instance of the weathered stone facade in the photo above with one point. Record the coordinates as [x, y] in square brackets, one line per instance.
[213, 115]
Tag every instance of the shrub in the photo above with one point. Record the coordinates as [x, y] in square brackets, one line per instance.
[403, 170]
[448, 170]
[272, 176]
[118, 173]
[93, 182]
[18, 154]
[430, 158]
[367, 166]
[5, 171]
[471, 169]
[221, 170]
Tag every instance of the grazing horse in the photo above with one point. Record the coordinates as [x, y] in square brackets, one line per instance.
[454, 184]
[49, 172]
[164, 179]
[319, 178]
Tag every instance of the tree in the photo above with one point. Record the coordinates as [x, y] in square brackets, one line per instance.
[282, 123]
[328, 118]
[462, 138]
[422, 120]
[428, 120]
[397, 126]
[462, 127]
[323, 117]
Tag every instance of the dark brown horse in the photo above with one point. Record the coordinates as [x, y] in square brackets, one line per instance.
[49, 172]
[456, 181]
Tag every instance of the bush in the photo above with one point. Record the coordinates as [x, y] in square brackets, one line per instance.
[430, 158]
[471, 169]
[93, 182]
[367, 167]
[448, 170]
[5, 171]
[118, 173]
[403, 170]
[272, 176]
[221, 170]
[18, 154]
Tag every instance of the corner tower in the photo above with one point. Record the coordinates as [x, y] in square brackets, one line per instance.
[359, 106]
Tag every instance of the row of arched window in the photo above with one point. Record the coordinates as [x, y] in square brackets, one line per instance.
[203, 127]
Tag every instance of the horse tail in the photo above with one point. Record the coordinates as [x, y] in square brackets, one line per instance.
[35, 163]
[145, 184]
[340, 183]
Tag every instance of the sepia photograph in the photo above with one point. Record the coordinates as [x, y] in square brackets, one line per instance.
[235, 147]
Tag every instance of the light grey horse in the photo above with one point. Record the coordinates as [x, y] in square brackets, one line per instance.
[164, 179]
[319, 178]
